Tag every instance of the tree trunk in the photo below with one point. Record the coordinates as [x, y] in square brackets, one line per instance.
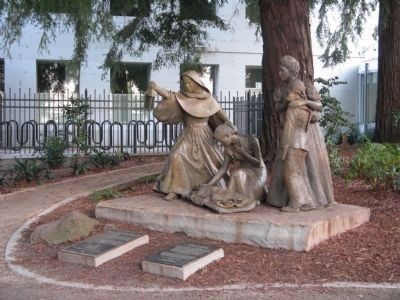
[388, 102]
[286, 31]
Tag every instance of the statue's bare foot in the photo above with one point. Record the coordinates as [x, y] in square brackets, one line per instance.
[290, 209]
[171, 196]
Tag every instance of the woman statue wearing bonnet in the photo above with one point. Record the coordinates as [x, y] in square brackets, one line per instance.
[301, 178]
[194, 158]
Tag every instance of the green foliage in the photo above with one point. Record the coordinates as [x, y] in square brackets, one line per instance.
[396, 118]
[334, 118]
[253, 14]
[355, 137]
[104, 195]
[336, 161]
[162, 26]
[147, 179]
[53, 151]
[5, 177]
[102, 159]
[377, 164]
[29, 170]
[78, 111]
[352, 15]
[79, 166]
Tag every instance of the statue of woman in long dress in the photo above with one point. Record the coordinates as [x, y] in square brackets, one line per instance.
[301, 177]
[194, 158]
[247, 174]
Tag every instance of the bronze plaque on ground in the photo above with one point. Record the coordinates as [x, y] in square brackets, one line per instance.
[182, 260]
[101, 248]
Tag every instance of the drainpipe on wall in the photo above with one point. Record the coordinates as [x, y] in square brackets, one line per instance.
[365, 96]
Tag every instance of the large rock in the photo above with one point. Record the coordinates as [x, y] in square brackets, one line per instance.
[70, 227]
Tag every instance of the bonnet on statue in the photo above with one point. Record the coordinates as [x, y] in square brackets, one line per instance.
[198, 104]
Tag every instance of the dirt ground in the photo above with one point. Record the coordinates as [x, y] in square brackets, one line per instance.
[366, 254]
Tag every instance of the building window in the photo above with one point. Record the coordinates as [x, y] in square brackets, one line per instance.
[254, 78]
[209, 77]
[369, 95]
[129, 81]
[198, 9]
[57, 81]
[130, 8]
[56, 77]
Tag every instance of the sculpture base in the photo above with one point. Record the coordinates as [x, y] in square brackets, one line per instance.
[264, 226]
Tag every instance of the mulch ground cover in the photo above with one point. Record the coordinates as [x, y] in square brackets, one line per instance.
[369, 253]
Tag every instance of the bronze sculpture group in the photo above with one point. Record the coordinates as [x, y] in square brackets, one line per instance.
[236, 180]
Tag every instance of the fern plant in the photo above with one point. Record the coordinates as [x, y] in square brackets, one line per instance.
[79, 166]
[102, 159]
[29, 170]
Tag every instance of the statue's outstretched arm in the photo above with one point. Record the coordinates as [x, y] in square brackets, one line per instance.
[161, 91]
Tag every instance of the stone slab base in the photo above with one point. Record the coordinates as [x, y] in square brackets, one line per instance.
[264, 226]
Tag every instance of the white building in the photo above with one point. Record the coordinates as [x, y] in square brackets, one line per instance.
[233, 59]
[229, 53]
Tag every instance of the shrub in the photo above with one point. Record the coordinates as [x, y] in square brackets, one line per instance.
[334, 118]
[29, 170]
[336, 161]
[53, 151]
[78, 111]
[356, 137]
[79, 166]
[377, 164]
[102, 159]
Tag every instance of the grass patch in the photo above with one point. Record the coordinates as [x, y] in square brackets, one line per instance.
[105, 194]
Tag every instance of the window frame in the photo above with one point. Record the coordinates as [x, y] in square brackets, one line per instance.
[143, 8]
[187, 13]
[50, 102]
[247, 71]
[127, 105]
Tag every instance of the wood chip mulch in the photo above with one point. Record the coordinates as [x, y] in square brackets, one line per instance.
[369, 253]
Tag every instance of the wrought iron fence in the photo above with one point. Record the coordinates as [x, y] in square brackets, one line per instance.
[115, 122]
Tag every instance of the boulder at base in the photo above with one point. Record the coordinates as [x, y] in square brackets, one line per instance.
[70, 227]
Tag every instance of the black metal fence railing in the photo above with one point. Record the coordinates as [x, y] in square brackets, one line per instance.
[115, 122]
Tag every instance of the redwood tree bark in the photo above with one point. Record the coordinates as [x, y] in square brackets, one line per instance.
[388, 101]
[286, 31]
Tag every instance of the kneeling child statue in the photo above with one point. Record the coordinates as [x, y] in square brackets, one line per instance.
[248, 175]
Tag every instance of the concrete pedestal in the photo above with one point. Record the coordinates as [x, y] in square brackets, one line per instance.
[264, 226]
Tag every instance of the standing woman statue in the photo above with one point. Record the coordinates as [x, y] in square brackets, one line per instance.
[194, 159]
[301, 178]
